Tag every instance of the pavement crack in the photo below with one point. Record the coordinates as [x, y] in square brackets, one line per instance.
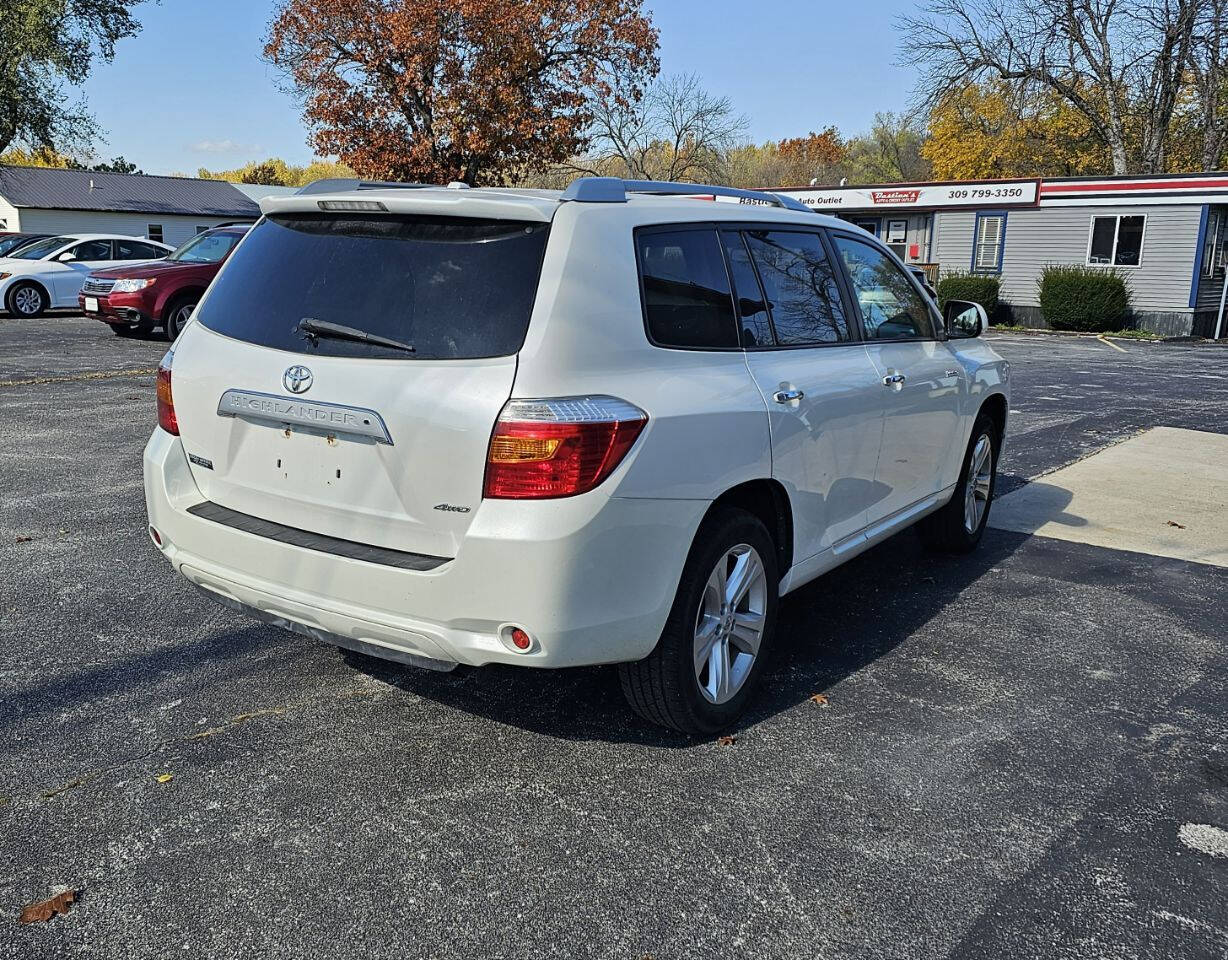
[77, 377]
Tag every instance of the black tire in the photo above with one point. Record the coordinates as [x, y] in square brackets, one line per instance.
[26, 300]
[946, 530]
[664, 688]
[177, 315]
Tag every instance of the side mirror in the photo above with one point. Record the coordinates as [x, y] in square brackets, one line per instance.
[964, 319]
[68, 256]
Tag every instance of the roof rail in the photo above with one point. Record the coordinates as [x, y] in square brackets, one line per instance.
[344, 184]
[615, 190]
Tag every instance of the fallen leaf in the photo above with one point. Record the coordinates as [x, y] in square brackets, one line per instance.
[165, 777]
[820, 699]
[727, 741]
[24, 539]
[41, 912]
[1174, 523]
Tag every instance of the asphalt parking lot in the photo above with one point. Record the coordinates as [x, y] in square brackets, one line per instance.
[1014, 749]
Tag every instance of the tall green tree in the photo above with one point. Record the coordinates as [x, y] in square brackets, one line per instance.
[46, 45]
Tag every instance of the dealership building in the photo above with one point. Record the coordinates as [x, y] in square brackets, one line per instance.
[1164, 234]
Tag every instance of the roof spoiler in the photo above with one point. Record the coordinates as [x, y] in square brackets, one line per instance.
[348, 184]
[615, 190]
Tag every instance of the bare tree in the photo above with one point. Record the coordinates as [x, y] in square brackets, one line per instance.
[1121, 63]
[676, 131]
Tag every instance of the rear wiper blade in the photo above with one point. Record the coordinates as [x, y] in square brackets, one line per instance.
[324, 328]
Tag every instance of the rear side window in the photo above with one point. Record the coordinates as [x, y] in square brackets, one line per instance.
[752, 308]
[801, 287]
[687, 301]
[451, 287]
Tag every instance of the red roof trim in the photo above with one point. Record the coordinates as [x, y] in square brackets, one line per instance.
[1112, 186]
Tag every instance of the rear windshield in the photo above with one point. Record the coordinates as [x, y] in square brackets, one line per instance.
[451, 287]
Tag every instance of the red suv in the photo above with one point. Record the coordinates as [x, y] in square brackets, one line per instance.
[159, 293]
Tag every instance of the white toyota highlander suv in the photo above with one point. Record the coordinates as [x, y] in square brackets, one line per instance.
[610, 425]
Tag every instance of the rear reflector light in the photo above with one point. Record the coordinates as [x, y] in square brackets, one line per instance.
[166, 404]
[559, 448]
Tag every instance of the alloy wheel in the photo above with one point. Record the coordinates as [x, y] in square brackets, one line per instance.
[730, 622]
[28, 301]
[179, 319]
[980, 479]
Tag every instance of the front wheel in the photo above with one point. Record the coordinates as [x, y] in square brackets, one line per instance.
[958, 526]
[705, 666]
[27, 300]
[178, 316]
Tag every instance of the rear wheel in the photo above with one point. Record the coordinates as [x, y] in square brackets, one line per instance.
[177, 316]
[958, 526]
[26, 300]
[700, 677]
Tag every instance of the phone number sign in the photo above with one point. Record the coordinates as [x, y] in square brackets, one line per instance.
[998, 193]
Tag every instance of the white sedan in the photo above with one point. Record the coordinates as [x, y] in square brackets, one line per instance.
[49, 273]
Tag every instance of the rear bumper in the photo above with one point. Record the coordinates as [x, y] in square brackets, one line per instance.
[590, 578]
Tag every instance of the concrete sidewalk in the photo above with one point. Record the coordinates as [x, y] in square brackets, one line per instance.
[1163, 493]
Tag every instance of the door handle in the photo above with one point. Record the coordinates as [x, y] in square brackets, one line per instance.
[893, 378]
[787, 396]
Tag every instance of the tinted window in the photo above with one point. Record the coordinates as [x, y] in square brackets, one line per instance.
[800, 285]
[686, 289]
[93, 250]
[891, 307]
[453, 287]
[135, 250]
[752, 308]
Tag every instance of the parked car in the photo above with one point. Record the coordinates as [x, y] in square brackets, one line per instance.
[49, 273]
[161, 293]
[611, 425]
[10, 243]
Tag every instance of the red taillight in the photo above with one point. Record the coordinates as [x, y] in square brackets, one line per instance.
[559, 448]
[166, 404]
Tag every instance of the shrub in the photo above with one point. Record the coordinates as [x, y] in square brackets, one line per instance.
[980, 288]
[1090, 299]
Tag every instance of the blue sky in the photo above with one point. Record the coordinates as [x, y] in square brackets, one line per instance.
[191, 90]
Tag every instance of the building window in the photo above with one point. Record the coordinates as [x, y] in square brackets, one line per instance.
[154, 232]
[1212, 244]
[1116, 241]
[200, 229]
[989, 240]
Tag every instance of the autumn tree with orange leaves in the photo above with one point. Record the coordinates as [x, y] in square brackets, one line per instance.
[472, 90]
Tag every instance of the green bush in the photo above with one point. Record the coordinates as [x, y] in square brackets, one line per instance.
[1090, 299]
[980, 288]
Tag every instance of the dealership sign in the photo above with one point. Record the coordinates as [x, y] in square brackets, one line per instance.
[1002, 193]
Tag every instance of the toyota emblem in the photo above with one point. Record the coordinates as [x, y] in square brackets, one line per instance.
[297, 379]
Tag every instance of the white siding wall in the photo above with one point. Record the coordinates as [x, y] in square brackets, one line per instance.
[10, 219]
[953, 239]
[175, 229]
[1043, 235]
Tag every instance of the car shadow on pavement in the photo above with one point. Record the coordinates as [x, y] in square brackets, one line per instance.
[827, 630]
